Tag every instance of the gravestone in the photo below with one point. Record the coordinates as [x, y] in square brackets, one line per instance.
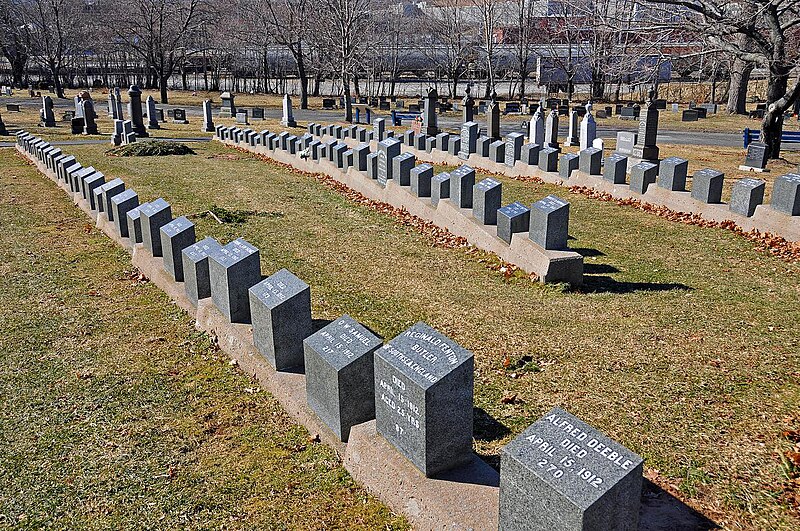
[379, 128]
[401, 168]
[258, 113]
[675, 108]
[440, 187]
[562, 474]
[421, 180]
[340, 376]
[486, 200]
[408, 138]
[643, 175]
[493, 119]
[549, 224]
[154, 215]
[443, 142]
[118, 101]
[228, 109]
[707, 185]
[483, 146]
[152, 114]
[208, 118]
[46, 114]
[536, 128]
[176, 236]
[551, 131]
[360, 154]
[689, 115]
[112, 106]
[135, 111]
[746, 195]
[3, 130]
[134, 220]
[672, 174]
[429, 125]
[420, 141]
[90, 182]
[614, 168]
[625, 142]
[387, 150]
[530, 154]
[588, 129]
[241, 117]
[179, 116]
[786, 194]
[468, 104]
[511, 219]
[372, 166]
[513, 147]
[233, 269]
[78, 107]
[423, 398]
[573, 129]
[110, 190]
[287, 119]
[338, 154]
[430, 144]
[121, 204]
[280, 306]
[462, 180]
[469, 139]
[454, 146]
[89, 117]
[646, 148]
[548, 159]
[196, 279]
[756, 159]
[497, 151]
[568, 163]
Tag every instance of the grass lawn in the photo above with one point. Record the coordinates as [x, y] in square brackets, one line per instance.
[683, 345]
[117, 414]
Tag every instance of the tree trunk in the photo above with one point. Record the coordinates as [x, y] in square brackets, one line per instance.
[737, 91]
[777, 103]
[348, 105]
[55, 71]
[163, 88]
[301, 72]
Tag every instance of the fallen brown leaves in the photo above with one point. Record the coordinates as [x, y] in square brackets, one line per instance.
[775, 245]
[790, 460]
[439, 237]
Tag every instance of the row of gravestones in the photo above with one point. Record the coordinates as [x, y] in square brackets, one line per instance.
[670, 173]
[546, 221]
[560, 473]
[6, 91]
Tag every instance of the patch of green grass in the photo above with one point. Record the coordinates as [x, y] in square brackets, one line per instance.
[683, 344]
[151, 148]
[118, 414]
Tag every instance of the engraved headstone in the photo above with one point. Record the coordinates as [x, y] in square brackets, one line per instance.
[536, 127]
[672, 174]
[588, 129]
[548, 159]
[121, 204]
[562, 474]
[530, 154]
[233, 269]
[443, 142]
[513, 152]
[486, 200]
[421, 180]
[549, 224]
[360, 154]
[176, 236]
[228, 109]
[179, 116]
[786, 194]
[646, 148]
[551, 130]
[108, 191]
[134, 220]
[591, 161]
[625, 142]
[567, 164]
[424, 398]
[372, 166]
[614, 168]
[469, 139]
[89, 117]
[288, 118]
[462, 179]
[135, 111]
[707, 185]
[387, 150]
[574, 129]
[46, 114]
[756, 157]
[152, 114]
[280, 306]
[208, 118]
[339, 367]
[154, 215]
[493, 119]
[643, 175]
[194, 259]
[746, 195]
[440, 187]
[512, 218]
[497, 151]
[429, 126]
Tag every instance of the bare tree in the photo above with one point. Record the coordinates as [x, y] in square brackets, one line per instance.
[454, 35]
[14, 42]
[770, 26]
[159, 31]
[341, 32]
[50, 32]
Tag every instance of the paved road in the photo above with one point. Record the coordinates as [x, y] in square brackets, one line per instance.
[606, 131]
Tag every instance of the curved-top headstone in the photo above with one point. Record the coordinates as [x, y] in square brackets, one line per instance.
[423, 398]
[562, 474]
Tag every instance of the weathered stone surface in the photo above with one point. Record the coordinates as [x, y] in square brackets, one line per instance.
[512, 218]
[280, 307]
[423, 398]
[462, 179]
[486, 200]
[196, 279]
[176, 235]
[339, 367]
[154, 215]
[233, 270]
[746, 195]
[549, 227]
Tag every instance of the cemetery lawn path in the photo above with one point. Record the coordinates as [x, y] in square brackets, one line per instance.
[117, 414]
